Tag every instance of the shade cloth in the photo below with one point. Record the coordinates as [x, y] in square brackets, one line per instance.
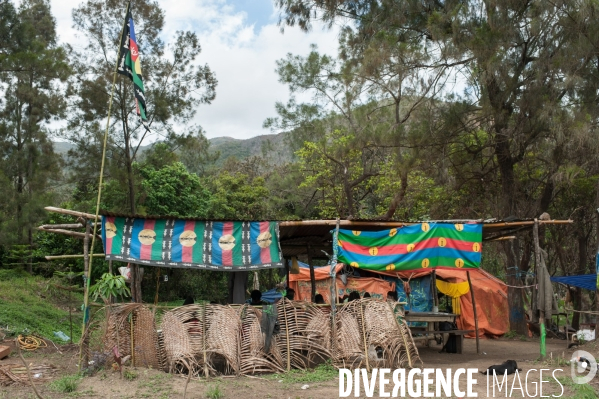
[419, 246]
[227, 246]
[586, 281]
[455, 291]
[301, 284]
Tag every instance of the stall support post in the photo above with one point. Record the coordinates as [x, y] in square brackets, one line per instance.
[535, 232]
[312, 278]
[475, 314]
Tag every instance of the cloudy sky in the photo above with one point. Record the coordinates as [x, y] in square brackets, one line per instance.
[240, 41]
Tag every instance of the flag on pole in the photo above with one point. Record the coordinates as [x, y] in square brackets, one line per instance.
[130, 65]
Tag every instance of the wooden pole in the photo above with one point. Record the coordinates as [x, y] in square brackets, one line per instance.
[100, 179]
[86, 259]
[312, 278]
[69, 211]
[54, 257]
[65, 232]
[333, 274]
[286, 262]
[475, 314]
[434, 289]
[535, 233]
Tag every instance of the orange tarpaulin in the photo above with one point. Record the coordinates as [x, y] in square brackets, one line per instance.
[491, 302]
[490, 293]
[300, 283]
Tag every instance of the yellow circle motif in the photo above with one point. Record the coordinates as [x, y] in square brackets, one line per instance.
[442, 242]
[459, 262]
[355, 264]
[373, 251]
[426, 263]
[459, 226]
[392, 232]
[356, 233]
[390, 267]
[476, 247]
[410, 247]
[147, 236]
[264, 240]
[110, 229]
[188, 238]
[425, 227]
[227, 242]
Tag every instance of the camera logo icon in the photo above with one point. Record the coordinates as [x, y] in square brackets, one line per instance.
[583, 367]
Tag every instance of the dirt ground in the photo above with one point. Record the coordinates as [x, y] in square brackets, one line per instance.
[145, 383]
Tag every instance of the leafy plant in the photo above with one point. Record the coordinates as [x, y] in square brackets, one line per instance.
[109, 286]
[66, 384]
[129, 375]
[214, 392]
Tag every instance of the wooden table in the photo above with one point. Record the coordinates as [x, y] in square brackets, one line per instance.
[430, 318]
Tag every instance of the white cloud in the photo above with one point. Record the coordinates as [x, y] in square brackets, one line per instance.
[241, 55]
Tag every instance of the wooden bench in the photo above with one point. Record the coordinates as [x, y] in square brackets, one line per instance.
[457, 333]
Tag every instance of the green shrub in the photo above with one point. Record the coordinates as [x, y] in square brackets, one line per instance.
[66, 384]
[214, 392]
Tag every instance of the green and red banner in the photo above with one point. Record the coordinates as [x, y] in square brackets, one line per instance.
[229, 246]
[423, 245]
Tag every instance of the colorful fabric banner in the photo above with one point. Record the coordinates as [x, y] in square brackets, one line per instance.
[229, 246]
[130, 65]
[423, 245]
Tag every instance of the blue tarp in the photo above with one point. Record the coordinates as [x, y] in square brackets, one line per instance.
[586, 281]
[269, 296]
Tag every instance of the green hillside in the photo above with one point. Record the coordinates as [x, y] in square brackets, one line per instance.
[271, 146]
[33, 304]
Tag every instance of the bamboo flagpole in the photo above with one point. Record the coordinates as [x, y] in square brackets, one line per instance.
[91, 251]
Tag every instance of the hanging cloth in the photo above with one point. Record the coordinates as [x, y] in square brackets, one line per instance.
[455, 291]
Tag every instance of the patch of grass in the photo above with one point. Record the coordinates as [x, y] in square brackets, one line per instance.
[512, 334]
[129, 375]
[581, 391]
[27, 305]
[214, 392]
[66, 384]
[322, 372]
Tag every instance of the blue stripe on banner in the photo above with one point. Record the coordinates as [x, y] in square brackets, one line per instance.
[217, 252]
[254, 233]
[138, 226]
[416, 255]
[177, 248]
[103, 232]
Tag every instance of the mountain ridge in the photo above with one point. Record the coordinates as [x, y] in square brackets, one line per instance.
[271, 146]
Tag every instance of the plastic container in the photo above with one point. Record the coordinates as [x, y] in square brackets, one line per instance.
[61, 335]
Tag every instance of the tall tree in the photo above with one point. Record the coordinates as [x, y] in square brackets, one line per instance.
[174, 86]
[526, 70]
[33, 66]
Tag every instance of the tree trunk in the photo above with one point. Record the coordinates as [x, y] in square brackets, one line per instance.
[237, 286]
[136, 276]
[398, 197]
